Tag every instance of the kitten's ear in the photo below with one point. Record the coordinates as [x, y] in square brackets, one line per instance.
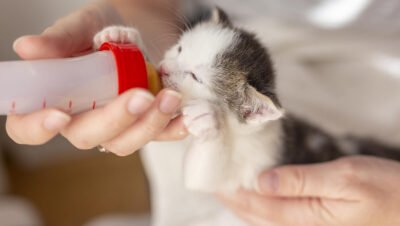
[220, 17]
[259, 108]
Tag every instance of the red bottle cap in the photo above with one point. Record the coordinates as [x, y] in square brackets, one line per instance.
[131, 66]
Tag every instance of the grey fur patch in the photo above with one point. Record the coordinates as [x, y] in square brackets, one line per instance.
[348, 146]
[246, 63]
[297, 149]
[316, 142]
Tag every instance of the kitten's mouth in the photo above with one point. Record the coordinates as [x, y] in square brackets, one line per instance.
[166, 80]
[162, 71]
[169, 84]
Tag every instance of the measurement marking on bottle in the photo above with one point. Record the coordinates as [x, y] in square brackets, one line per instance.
[44, 104]
[94, 105]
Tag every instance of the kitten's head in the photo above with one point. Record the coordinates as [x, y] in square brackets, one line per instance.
[226, 65]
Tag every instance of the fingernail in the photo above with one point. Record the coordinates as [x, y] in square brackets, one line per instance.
[140, 102]
[269, 182]
[171, 102]
[15, 44]
[56, 122]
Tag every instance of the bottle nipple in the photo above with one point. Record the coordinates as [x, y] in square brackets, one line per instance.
[154, 81]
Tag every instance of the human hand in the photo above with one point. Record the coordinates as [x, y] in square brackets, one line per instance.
[353, 191]
[123, 126]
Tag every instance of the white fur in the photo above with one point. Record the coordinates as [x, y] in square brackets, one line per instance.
[225, 154]
[118, 34]
[174, 204]
[200, 119]
[233, 158]
[197, 56]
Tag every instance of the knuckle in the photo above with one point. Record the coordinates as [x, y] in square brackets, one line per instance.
[117, 116]
[319, 211]
[153, 128]
[299, 180]
[350, 168]
[114, 124]
[89, 17]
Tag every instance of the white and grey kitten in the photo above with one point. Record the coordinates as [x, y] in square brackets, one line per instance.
[231, 108]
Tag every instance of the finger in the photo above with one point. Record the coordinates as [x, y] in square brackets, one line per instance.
[68, 36]
[244, 203]
[280, 211]
[36, 128]
[325, 180]
[149, 126]
[92, 128]
[176, 130]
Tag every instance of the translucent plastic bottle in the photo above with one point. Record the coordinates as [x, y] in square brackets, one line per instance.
[74, 84]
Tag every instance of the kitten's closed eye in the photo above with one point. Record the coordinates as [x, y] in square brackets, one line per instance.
[193, 75]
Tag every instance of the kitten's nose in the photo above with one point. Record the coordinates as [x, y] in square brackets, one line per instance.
[163, 71]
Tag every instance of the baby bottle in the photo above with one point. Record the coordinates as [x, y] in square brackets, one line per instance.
[74, 84]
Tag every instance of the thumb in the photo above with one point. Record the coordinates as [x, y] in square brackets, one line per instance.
[46, 46]
[319, 180]
[69, 36]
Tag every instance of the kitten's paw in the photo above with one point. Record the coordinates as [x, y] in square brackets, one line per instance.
[117, 34]
[200, 118]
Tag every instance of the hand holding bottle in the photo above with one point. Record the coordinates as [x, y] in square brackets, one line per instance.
[122, 126]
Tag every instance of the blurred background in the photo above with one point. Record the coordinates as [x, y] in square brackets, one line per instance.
[337, 71]
[55, 184]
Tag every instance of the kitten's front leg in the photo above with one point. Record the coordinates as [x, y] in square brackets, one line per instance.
[118, 34]
[200, 118]
[206, 161]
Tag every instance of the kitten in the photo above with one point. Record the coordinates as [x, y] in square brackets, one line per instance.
[232, 111]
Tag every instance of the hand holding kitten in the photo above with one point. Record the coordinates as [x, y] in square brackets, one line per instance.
[353, 191]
